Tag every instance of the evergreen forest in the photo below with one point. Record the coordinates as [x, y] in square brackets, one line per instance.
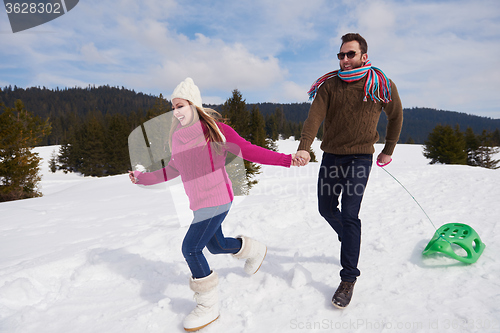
[92, 124]
[65, 107]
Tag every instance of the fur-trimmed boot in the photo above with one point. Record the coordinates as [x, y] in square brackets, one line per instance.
[206, 294]
[253, 251]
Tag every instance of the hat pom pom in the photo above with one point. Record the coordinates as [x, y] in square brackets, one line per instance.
[189, 91]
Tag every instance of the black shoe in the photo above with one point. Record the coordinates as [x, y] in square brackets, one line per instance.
[343, 295]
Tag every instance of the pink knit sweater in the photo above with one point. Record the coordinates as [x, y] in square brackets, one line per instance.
[203, 170]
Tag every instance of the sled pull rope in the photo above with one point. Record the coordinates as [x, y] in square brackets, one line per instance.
[410, 196]
[382, 167]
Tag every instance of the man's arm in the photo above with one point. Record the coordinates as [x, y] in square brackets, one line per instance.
[317, 113]
[394, 112]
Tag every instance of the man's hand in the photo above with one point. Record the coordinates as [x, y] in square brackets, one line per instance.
[383, 158]
[302, 157]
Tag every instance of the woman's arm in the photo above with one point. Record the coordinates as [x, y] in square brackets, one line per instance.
[253, 153]
[151, 178]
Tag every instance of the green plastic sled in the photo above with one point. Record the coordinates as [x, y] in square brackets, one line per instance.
[459, 234]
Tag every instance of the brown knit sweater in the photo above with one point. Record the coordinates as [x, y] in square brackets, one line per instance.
[350, 124]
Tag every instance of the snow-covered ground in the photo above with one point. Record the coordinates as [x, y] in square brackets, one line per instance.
[103, 255]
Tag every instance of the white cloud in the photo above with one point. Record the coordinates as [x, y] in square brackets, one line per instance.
[377, 17]
[431, 49]
[212, 63]
[91, 54]
[439, 53]
[291, 91]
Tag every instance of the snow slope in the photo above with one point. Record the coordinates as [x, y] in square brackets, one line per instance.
[103, 255]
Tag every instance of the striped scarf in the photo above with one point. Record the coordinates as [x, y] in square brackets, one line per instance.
[377, 85]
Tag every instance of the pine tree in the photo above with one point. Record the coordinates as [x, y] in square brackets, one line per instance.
[257, 128]
[486, 151]
[284, 127]
[116, 148]
[279, 115]
[53, 166]
[313, 155]
[257, 136]
[272, 127]
[287, 130]
[472, 146]
[20, 131]
[238, 117]
[298, 132]
[93, 152]
[410, 141]
[68, 154]
[161, 106]
[445, 145]
[496, 138]
[235, 110]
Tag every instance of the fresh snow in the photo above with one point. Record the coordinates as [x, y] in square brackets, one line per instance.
[103, 255]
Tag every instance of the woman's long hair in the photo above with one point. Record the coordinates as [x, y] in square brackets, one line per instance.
[208, 119]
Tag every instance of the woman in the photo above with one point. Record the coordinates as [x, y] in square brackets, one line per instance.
[199, 145]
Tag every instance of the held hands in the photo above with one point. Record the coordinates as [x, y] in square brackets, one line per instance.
[301, 158]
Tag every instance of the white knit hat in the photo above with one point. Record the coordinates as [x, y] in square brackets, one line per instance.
[189, 91]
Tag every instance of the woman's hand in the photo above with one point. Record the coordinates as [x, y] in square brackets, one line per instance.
[132, 177]
[302, 158]
[297, 160]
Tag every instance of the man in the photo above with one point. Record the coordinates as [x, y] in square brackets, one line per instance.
[349, 102]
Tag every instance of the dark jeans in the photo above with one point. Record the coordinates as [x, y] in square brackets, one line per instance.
[346, 175]
[206, 231]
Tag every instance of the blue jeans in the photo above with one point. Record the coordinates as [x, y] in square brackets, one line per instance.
[206, 231]
[346, 175]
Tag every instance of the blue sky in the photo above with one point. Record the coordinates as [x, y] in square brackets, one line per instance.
[441, 54]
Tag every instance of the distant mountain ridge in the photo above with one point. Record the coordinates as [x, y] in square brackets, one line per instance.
[418, 122]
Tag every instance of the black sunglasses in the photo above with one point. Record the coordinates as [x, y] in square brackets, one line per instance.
[349, 55]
